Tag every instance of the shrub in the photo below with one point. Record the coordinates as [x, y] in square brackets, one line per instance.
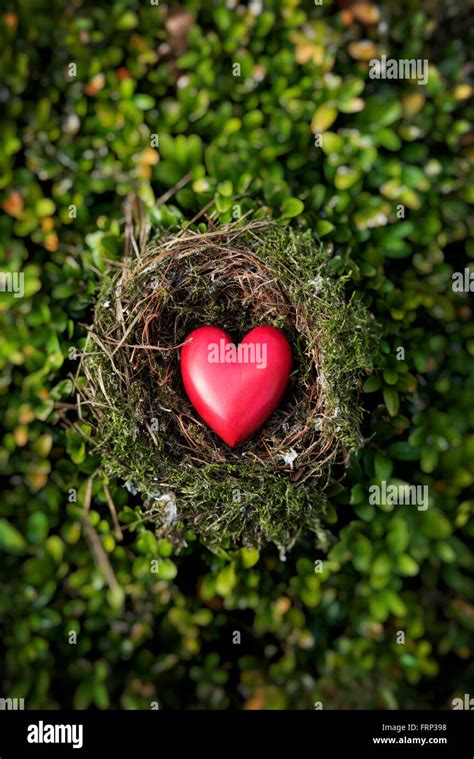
[151, 106]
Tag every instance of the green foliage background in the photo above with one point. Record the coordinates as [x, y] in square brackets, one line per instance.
[86, 141]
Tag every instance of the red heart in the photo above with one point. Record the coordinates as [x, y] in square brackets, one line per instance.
[235, 388]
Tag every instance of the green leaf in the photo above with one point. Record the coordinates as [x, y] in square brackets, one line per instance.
[408, 660]
[127, 20]
[37, 528]
[365, 511]
[332, 143]
[407, 566]
[395, 603]
[101, 696]
[223, 204]
[429, 456]
[84, 695]
[169, 172]
[249, 557]
[323, 118]
[382, 565]
[146, 543]
[292, 207]
[226, 580]
[165, 548]
[378, 607]
[435, 524]
[225, 188]
[11, 541]
[75, 446]
[398, 539]
[346, 177]
[392, 401]
[362, 553]
[372, 383]
[45, 207]
[383, 467]
[324, 227]
[143, 102]
[403, 451]
[62, 390]
[166, 570]
[406, 383]
[358, 494]
[390, 376]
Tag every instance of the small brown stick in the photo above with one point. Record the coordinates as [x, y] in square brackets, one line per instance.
[100, 557]
[87, 497]
[178, 186]
[113, 511]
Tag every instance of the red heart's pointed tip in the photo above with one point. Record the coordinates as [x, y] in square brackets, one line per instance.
[231, 445]
[231, 442]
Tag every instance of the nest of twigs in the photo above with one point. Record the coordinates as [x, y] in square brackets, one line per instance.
[236, 277]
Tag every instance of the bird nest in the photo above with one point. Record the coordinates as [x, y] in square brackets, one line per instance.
[236, 277]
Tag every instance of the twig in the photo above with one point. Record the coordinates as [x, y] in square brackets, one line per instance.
[87, 497]
[111, 505]
[100, 557]
[178, 186]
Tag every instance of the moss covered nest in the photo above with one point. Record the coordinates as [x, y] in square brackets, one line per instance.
[236, 277]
